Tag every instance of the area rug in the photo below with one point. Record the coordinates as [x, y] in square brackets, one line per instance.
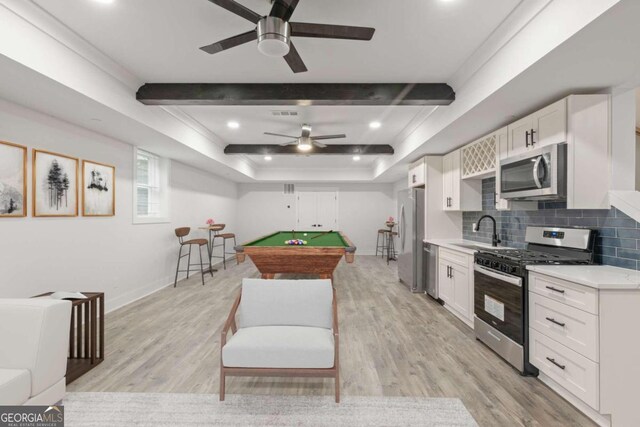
[170, 409]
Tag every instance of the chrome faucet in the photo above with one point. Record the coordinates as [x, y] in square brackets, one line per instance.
[494, 238]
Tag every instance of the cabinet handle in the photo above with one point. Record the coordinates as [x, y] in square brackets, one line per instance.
[563, 367]
[561, 291]
[413, 179]
[552, 320]
[532, 133]
[451, 272]
[526, 140]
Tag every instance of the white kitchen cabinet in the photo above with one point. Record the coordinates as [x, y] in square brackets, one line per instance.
[417, 174]
[581, 340]
[455, 283]
[459, 194]
[544, 127]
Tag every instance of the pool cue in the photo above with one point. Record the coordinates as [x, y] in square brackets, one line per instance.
[326, 232]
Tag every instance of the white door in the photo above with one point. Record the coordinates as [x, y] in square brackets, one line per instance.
[317, 210]
[327, 211]
[307, 202]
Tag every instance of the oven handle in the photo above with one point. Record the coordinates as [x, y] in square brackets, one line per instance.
[513, 280]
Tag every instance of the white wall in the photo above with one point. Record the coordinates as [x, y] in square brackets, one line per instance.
[362, 210]
[111, 254]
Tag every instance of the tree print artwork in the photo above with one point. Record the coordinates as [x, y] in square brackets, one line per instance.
[98, 189]
[56, 184]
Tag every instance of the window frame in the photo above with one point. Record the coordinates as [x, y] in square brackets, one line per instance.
[162, 179]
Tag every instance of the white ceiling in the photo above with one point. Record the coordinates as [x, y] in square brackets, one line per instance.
[325, 120]
[158, 40]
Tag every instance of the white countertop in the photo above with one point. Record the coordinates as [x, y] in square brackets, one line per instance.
[454, 244]
[596, 276]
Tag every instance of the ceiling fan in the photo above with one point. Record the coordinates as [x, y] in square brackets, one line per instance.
[305, 141]
[274, 32]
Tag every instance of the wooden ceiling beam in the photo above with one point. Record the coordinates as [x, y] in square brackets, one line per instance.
[420, 94]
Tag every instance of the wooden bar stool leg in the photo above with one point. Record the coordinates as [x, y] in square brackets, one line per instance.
[224, 253]
[201, 266]
[178, 267]
[234, 246]
[189, 262]
[377, 244]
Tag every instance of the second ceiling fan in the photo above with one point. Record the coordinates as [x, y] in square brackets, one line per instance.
[274, 31]
[305, 141]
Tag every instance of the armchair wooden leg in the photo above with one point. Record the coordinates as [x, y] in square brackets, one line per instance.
[337, 386]
[222, 384]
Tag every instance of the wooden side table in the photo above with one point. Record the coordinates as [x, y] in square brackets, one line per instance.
[86, 334]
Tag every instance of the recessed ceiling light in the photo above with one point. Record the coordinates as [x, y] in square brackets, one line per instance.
[233, 125]
[375, 125]
[267, 158]
[356, 158]
[104, 1]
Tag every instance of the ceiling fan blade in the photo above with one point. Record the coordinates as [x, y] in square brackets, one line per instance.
[319, 144]
[238, 9]
[283, 9]
[230, 42]
[342, 135]
[289, 143]
[279, 134]
[294, 60]
[326, 31]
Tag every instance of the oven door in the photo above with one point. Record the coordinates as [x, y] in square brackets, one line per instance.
[499, 302]
[534, 175]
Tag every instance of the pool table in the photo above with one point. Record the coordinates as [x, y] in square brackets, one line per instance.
[319, 256]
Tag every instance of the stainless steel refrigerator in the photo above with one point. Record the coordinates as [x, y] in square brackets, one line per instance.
[411, 235]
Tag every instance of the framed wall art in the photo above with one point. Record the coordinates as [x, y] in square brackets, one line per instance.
[55, 184]
[98, 189]
[13, 180]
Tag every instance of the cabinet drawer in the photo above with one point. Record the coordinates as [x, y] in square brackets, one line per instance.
[578, 296]
[571, 370]
[571, 327]
[456, 257]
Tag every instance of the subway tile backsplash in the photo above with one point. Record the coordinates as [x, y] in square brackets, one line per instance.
[618, 241]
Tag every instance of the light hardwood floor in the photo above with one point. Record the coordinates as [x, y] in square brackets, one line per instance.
[392, 343]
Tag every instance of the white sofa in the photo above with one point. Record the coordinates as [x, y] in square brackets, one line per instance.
[34, 340]
[285, 328]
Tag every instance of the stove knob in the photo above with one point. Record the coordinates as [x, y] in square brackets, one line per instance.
[495, 264]
[513, 269]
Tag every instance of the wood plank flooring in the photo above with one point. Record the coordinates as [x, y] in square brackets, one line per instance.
[392, 343]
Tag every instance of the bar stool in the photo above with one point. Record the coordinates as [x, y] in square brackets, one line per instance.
[224, 237]
[381, 246]
[181, 233]
[391, 246]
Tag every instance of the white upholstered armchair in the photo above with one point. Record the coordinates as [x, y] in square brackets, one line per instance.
[285, 328]
[34, 341]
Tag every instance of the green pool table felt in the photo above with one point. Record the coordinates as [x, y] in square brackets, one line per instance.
[277, 239]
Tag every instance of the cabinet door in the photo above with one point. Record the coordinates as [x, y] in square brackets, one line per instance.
[445, 285]
[550, 124]
[519, 142]
[502, 152]
[456, 180]
[461, 289]
[447, 184]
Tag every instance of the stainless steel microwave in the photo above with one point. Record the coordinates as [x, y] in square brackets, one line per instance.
[539, 174]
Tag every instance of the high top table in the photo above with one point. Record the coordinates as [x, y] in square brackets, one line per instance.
[212, 229]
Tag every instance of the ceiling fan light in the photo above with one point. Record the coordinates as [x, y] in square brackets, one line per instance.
[273, 36]
[273, 47]
[304, 144]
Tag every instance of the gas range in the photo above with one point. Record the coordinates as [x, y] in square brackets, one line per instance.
[501, 293]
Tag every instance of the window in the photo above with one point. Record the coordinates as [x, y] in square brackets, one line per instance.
[151, 188]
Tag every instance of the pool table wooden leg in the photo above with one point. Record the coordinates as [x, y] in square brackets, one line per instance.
[268, 275]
